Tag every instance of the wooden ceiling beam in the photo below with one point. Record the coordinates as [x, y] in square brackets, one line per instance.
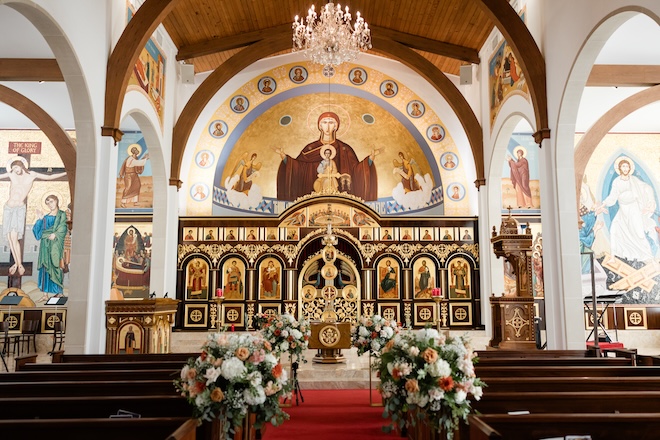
[448, 50]
[624, 75]
[222, 44]
[209, 87]
[528, 55]
[30, 69]
[122, 59]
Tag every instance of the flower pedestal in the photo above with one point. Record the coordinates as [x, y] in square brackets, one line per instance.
[246, 431]
[371, 388]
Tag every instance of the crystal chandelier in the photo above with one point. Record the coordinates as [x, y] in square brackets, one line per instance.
[330, 39]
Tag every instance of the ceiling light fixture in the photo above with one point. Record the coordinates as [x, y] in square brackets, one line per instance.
[329, 39]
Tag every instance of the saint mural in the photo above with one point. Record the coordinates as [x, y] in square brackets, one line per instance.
[233, 273]
[51, 230]
[297, 176]
[130, 172]
[633, 233]
[132, 262]
[388, 281]
[269, 275]
[424, 271]
[520, 178]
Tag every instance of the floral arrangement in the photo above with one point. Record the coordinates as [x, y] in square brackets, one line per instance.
[235, 373]
[430, 376]
[372, 333]
[285, 333]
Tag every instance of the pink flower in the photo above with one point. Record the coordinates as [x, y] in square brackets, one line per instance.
[192, 373]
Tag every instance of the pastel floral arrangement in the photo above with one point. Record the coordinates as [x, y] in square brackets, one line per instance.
[235, 374]
[427, 376]
[372, 333]
[285, 333]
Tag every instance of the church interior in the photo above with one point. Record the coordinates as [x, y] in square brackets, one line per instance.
[184, 167]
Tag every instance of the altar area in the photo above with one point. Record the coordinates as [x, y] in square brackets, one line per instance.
[354, 373]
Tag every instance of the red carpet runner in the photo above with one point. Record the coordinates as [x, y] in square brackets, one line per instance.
[332, 415]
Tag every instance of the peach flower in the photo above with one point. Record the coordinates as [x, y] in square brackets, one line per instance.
[430, 355]
[412, 386]
[217, 395]
[242, 353]
[277, 371]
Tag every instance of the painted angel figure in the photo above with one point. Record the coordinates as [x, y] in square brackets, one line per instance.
[242, 190]
[406, 169]
[246, 170]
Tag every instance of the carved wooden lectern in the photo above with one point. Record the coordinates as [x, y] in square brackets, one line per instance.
[513, 315]
[139, 326]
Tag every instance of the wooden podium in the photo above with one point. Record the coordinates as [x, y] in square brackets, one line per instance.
[513, 315]
[139, 326]
[329, 338]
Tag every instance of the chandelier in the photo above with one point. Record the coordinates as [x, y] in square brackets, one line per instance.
[330, 39]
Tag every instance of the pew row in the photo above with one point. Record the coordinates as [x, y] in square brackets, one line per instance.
[534, 362]
[644, 426]
[569, 402]
[170, 428]
[485, 371]
[124, 365]
[549, 384]
[94, 375]
[62, 407]
[62, 357]
[74, 388]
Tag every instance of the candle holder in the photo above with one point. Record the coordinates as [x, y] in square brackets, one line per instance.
[217, 322]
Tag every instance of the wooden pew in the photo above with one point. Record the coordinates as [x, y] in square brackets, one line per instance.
[170, 428]
[485, 371]
[95, 375]
[540, 384]
[643, 426]
[62, 357]
[484, 354]
[126, 365]
[648, 360]
[87, 388]
[62, 407]
[534, 362]
[569, 402]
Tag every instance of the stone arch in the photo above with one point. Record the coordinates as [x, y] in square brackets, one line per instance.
[85, 277]
[160, 200]
[567, 309]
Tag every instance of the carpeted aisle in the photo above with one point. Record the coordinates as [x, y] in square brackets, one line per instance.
[332, 415]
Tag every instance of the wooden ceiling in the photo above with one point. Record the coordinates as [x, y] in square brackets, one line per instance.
[448, 33]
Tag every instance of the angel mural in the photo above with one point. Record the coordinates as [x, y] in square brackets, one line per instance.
[459, 279]
[414, 191]
[197, 283]
[424, 271]
[345, 276]
[241, 189]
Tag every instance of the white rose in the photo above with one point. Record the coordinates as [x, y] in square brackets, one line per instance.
[212, 375]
